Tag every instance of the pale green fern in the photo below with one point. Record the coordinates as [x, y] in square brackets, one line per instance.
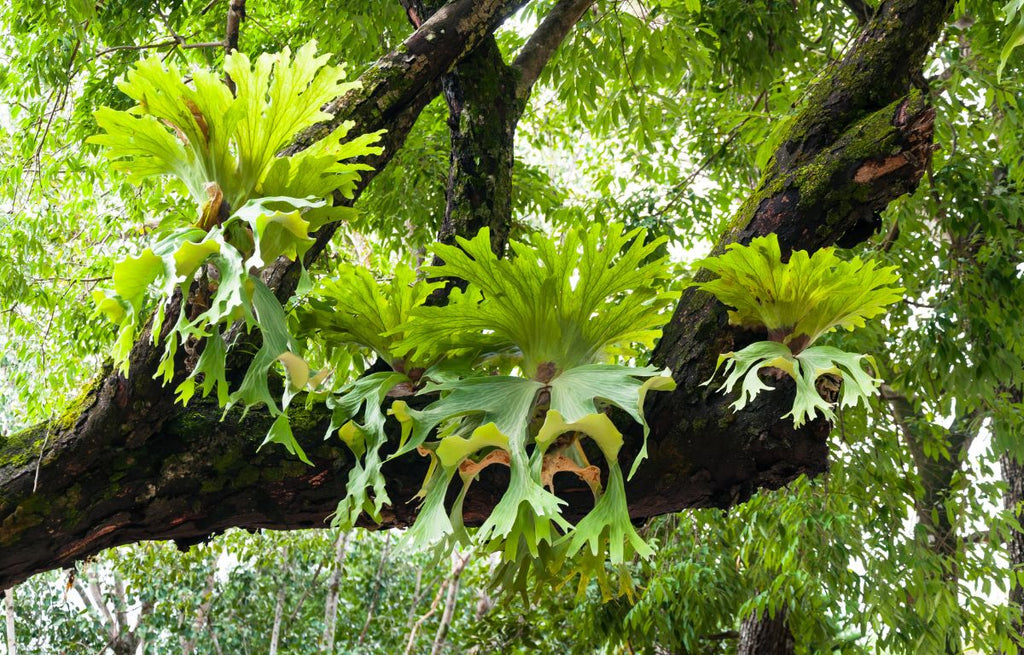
[252, 208]
[796, 303]
[519, 365]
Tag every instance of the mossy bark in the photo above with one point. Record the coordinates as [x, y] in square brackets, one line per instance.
[484, 108]
[483, 111]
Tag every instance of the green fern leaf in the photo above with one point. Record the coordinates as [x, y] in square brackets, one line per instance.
[216, 143]
[566, 304]
[798, 301]
[355, 308]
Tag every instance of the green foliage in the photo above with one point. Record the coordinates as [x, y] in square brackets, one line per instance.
[1012, 8]
[563, 303]
[223, 148]
[546, 319]
[664, 134]
[796, 303]
[353, 308]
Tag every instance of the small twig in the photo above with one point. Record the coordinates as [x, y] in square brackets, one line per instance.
[72, 280]
[728, 634]
[144, 46]
[170, 28]
[39, 462]
[208, 7]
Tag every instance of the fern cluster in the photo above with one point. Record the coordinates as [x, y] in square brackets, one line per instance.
[519, 368]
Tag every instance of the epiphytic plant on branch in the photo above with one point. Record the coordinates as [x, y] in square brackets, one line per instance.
[520, 366]
[797, 302]
[252, 207]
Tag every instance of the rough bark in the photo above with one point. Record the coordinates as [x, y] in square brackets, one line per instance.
[762, 634]
[486, 98]
[483, 111]
[1013, 475]
[125, 465]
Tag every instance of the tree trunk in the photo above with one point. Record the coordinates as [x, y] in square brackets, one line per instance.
[282, 595]
[376, 591]
[483, 113]
[936, 475]
[762, 634]
[12, 638]
[202, 614]
[411, 641]
[331, 602]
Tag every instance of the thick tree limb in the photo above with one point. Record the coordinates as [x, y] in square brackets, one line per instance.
[125, 465]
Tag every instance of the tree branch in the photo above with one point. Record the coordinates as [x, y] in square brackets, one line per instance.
[236, 14]
[860, 9]
[541, 45]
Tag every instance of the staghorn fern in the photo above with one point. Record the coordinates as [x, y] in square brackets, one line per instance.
[252, 208]
[797, 302]
[520, 365]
